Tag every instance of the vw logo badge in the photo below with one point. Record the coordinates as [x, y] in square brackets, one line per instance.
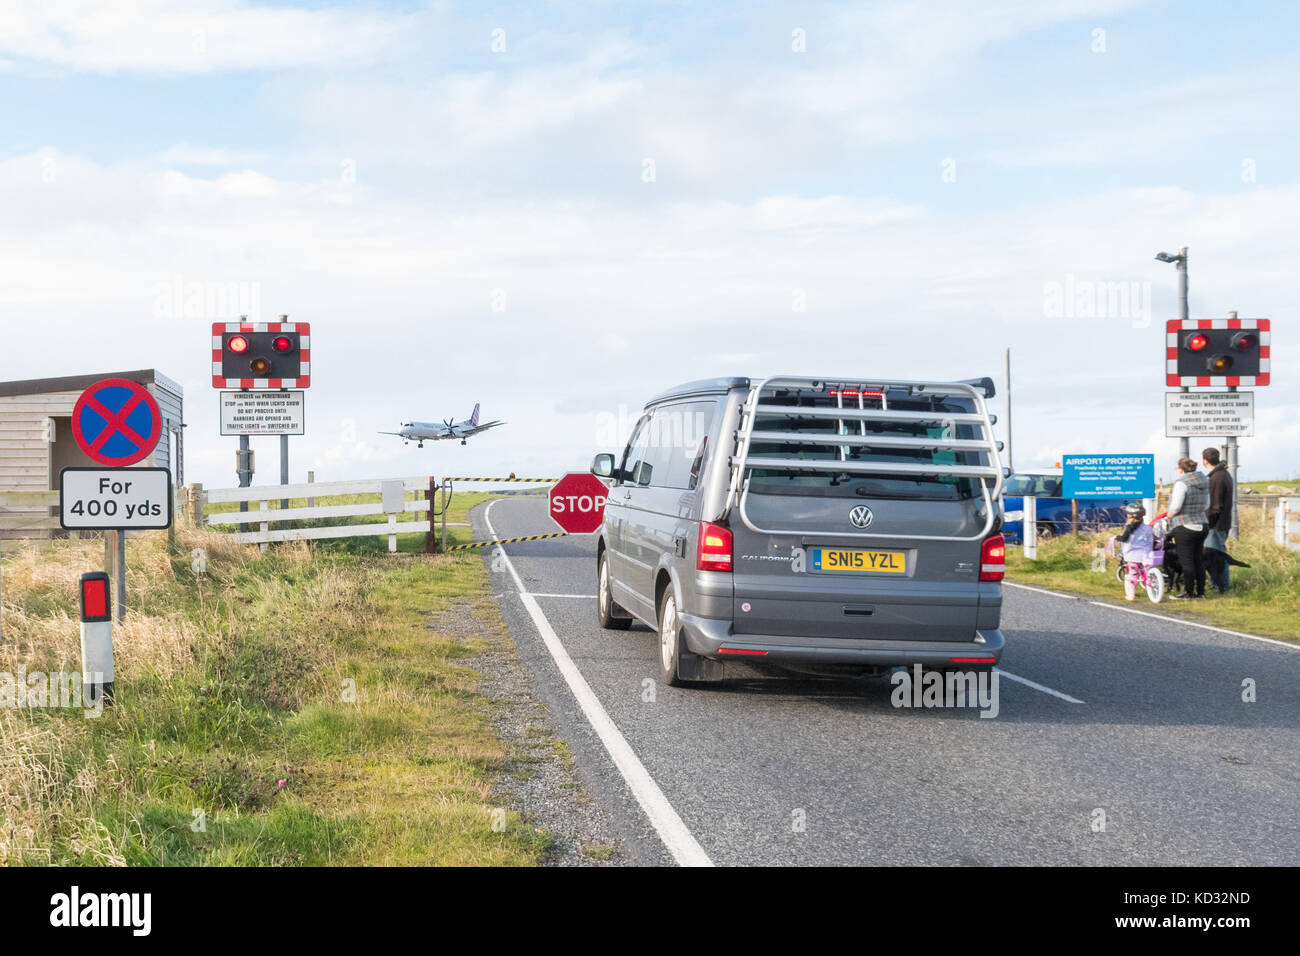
[861, 517]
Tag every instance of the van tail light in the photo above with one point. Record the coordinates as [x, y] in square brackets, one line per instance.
[993, 558]
[714, 552]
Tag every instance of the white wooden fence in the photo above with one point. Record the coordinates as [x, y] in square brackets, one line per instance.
[28, 514]
[1286, 523]
[265, 507]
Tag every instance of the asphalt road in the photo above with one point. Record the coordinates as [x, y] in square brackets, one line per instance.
[768, 769]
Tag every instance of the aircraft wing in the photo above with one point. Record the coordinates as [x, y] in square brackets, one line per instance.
[483, 428]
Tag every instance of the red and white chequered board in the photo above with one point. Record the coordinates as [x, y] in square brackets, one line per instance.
[219, 329]
[1174, 327]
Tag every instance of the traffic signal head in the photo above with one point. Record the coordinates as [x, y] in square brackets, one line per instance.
[1217, 352]
[248, 356]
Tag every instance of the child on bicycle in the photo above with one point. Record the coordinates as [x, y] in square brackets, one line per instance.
[1138, 542]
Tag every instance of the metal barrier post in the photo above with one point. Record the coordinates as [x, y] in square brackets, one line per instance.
[431, 538]
[446, 496]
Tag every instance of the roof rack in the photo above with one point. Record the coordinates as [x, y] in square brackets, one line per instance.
[759, 406]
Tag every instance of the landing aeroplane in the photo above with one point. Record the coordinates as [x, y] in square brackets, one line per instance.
[430, 431]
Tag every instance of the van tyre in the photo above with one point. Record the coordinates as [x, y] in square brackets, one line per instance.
[608, 614]
[671, 652]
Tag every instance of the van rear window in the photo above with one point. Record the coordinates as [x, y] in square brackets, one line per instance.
[851, 485]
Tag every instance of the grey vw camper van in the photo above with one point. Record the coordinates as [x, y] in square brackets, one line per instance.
[826, 525]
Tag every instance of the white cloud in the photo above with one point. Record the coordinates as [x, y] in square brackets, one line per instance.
[199, 36]
[609, 303]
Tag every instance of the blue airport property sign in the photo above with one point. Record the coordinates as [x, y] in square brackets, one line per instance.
[1108, 476]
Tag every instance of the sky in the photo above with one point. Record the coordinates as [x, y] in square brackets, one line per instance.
[561, 209]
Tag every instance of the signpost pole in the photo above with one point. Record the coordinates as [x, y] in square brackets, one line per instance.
[1184, 443]
[121, 575]
[1009, 442]
[284, 468]
[1234, 532]
[245, 474]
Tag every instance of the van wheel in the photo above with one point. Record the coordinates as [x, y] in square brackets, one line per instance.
[1045, 530]
[608, 614]
[670, 641]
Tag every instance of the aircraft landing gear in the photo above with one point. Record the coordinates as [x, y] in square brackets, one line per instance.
[463, 442]
[421, 445]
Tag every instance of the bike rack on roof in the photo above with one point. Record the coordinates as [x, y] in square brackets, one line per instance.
[990, 475]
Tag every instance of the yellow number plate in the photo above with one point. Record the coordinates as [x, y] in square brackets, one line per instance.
[856, 559]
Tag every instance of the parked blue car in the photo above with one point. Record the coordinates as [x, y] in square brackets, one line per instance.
[1054, 512]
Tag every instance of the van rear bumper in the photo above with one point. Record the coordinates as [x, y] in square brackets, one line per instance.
[707, 637]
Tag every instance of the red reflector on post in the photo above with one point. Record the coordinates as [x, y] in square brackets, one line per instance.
[94, 597]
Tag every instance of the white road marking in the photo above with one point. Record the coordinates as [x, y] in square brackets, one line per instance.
[1159, 617]
[1046, 690]
[588, 597]
[1026, 587]
[672, 831]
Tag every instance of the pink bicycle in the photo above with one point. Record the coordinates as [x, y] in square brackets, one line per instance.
[1151, 576]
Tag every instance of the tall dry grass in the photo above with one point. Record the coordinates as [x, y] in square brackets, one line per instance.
[40, 793]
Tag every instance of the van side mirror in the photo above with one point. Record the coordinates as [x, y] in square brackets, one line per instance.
[602, 466]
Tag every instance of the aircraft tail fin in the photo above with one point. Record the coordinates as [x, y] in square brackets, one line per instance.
[474, 418]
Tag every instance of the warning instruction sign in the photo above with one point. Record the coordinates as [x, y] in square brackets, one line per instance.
[263, 413]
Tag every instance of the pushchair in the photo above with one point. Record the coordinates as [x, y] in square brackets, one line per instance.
[1155, 577]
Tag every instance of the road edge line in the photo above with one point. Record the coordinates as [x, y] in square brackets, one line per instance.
[676, 837]
[1039, 687]
[1158, 617]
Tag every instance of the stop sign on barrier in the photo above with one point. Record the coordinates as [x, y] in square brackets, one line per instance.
[577, 503]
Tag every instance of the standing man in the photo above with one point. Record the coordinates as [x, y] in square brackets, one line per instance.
[1219, 519]
[1187, 523]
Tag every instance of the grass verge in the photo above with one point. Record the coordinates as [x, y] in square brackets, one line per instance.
[1264, 598]
[293, 708]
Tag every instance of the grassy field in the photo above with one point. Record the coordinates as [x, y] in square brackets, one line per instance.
[295, 708]
[1264, 599]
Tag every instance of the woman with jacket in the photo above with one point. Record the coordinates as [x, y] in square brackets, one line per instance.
[1187, 526]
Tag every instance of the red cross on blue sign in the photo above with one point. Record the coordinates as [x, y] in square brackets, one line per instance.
[117, 423]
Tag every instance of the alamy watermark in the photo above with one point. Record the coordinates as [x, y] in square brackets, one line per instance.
[210, 301]
[37, 690]
[1088, 299]
[928, 688]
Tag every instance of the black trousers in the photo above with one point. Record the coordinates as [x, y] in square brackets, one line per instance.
[1188, 544]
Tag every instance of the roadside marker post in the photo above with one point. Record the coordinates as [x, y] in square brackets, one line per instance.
[97, 638]
[1029, 528]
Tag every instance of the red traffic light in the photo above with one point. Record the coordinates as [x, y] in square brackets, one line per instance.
[238, 345]
[282, 344]
[1197, 342]
[1245, 341]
